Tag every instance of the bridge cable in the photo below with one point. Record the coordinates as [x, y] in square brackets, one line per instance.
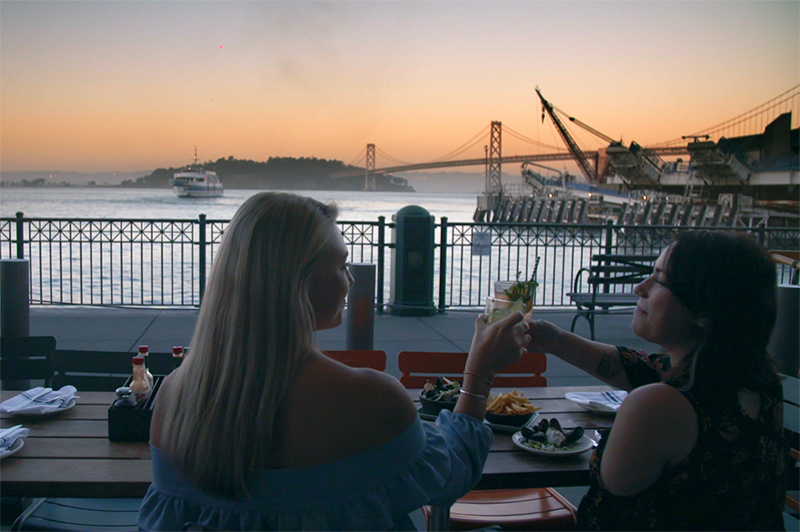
[359, 156]
[732, 121]
[467, 145]
[529, 140]
[393, 159]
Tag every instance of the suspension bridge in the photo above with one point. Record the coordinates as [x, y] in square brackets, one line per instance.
[639, 167]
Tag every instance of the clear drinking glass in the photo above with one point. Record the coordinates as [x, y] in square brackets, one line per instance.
[500, 288]
[497, 308]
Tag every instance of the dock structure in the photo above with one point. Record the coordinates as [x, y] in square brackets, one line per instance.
[731, 210]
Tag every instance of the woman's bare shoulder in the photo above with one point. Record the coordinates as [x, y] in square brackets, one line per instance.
[355, 408]
[655, 428]
[380, 398]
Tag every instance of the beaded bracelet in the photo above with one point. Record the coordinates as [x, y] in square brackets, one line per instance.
[470, 394]
[481, 377]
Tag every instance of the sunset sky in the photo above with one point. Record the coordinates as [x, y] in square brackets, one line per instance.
[126, 86]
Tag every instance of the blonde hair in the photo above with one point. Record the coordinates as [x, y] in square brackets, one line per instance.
[255, 326]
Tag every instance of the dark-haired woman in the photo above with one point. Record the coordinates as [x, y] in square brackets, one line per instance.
[698, 442]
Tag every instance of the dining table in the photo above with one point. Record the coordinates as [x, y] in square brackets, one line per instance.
[68, 454]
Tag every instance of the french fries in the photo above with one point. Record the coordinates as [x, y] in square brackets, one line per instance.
[512, 403]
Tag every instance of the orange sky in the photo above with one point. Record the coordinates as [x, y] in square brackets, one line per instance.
[130, 86]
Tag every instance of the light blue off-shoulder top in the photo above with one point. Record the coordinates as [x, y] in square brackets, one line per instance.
[373, 490]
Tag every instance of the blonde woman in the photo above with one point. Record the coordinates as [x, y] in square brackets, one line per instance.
[259, 430]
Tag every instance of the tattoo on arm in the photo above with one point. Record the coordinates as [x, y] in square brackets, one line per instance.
[609, 366]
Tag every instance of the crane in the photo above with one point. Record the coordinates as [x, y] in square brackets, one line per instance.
[537, 181]
[583, 162]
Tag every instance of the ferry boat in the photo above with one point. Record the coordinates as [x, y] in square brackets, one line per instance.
[196, 182]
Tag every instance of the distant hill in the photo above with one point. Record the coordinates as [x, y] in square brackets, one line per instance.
[72, 178]
[283, 173]
[280, 173]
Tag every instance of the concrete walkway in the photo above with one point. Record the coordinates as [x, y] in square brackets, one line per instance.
[123, 329]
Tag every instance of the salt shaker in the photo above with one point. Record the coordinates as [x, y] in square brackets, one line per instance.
[124, 398]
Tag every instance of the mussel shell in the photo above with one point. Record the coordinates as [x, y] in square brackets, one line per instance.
[555, 424]
[539, 436]
[575, 435]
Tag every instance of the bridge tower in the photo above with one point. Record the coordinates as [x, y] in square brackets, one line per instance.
[494, 183]
[369, 168]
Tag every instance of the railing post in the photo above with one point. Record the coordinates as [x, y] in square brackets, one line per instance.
[609, 236]
[201, 256]
[442, 265]
[20, 237]
[381, 262]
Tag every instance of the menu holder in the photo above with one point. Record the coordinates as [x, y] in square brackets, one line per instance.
[133, 424]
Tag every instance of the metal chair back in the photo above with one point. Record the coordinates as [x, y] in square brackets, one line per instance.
[355, 358]
[27, 358]
[419, 367]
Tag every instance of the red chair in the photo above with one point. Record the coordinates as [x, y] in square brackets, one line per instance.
[360, 358]
[419, 367]
[516, 509]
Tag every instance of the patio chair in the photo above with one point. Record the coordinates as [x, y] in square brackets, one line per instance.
[101, 370]
[514, 509]
[419, 367]
[360, 358]
[89, 371]
[791, 427]
[26, 358]
[65, 514]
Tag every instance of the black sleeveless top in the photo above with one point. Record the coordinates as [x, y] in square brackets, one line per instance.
[732, 480]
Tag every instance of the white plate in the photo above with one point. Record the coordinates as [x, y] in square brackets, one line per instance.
[13, 449]
[33, 410]
[598, 411]
[581, 446]
[584, 400]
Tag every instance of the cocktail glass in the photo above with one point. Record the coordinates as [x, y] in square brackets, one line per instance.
[497, 308]
[500, 292]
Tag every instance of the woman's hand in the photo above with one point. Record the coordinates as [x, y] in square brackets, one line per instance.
[544, 336]
[595, 358]
[497, 345]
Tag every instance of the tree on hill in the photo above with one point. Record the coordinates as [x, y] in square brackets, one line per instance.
[282, 173]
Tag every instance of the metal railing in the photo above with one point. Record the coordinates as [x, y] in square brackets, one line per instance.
[165, 262]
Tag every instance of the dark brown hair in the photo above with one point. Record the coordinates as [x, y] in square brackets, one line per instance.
[729, 280]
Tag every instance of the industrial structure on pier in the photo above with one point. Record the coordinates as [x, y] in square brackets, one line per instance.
[748, 179]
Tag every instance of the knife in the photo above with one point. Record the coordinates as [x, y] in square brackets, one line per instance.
[34, 398]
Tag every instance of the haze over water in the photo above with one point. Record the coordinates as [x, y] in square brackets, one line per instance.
[122, 203]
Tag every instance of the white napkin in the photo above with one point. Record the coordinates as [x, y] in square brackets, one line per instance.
[42, 403]
[602, 401]
[9, 436]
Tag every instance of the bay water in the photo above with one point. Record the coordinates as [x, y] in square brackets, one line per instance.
[163, 204]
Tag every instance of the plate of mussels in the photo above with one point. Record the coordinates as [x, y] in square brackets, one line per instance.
[547, 438]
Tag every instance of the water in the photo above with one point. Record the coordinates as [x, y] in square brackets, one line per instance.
[160, 204]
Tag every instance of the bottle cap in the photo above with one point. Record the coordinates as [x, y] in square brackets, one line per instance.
[137, 360]
[143, 349]
[177, 350]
